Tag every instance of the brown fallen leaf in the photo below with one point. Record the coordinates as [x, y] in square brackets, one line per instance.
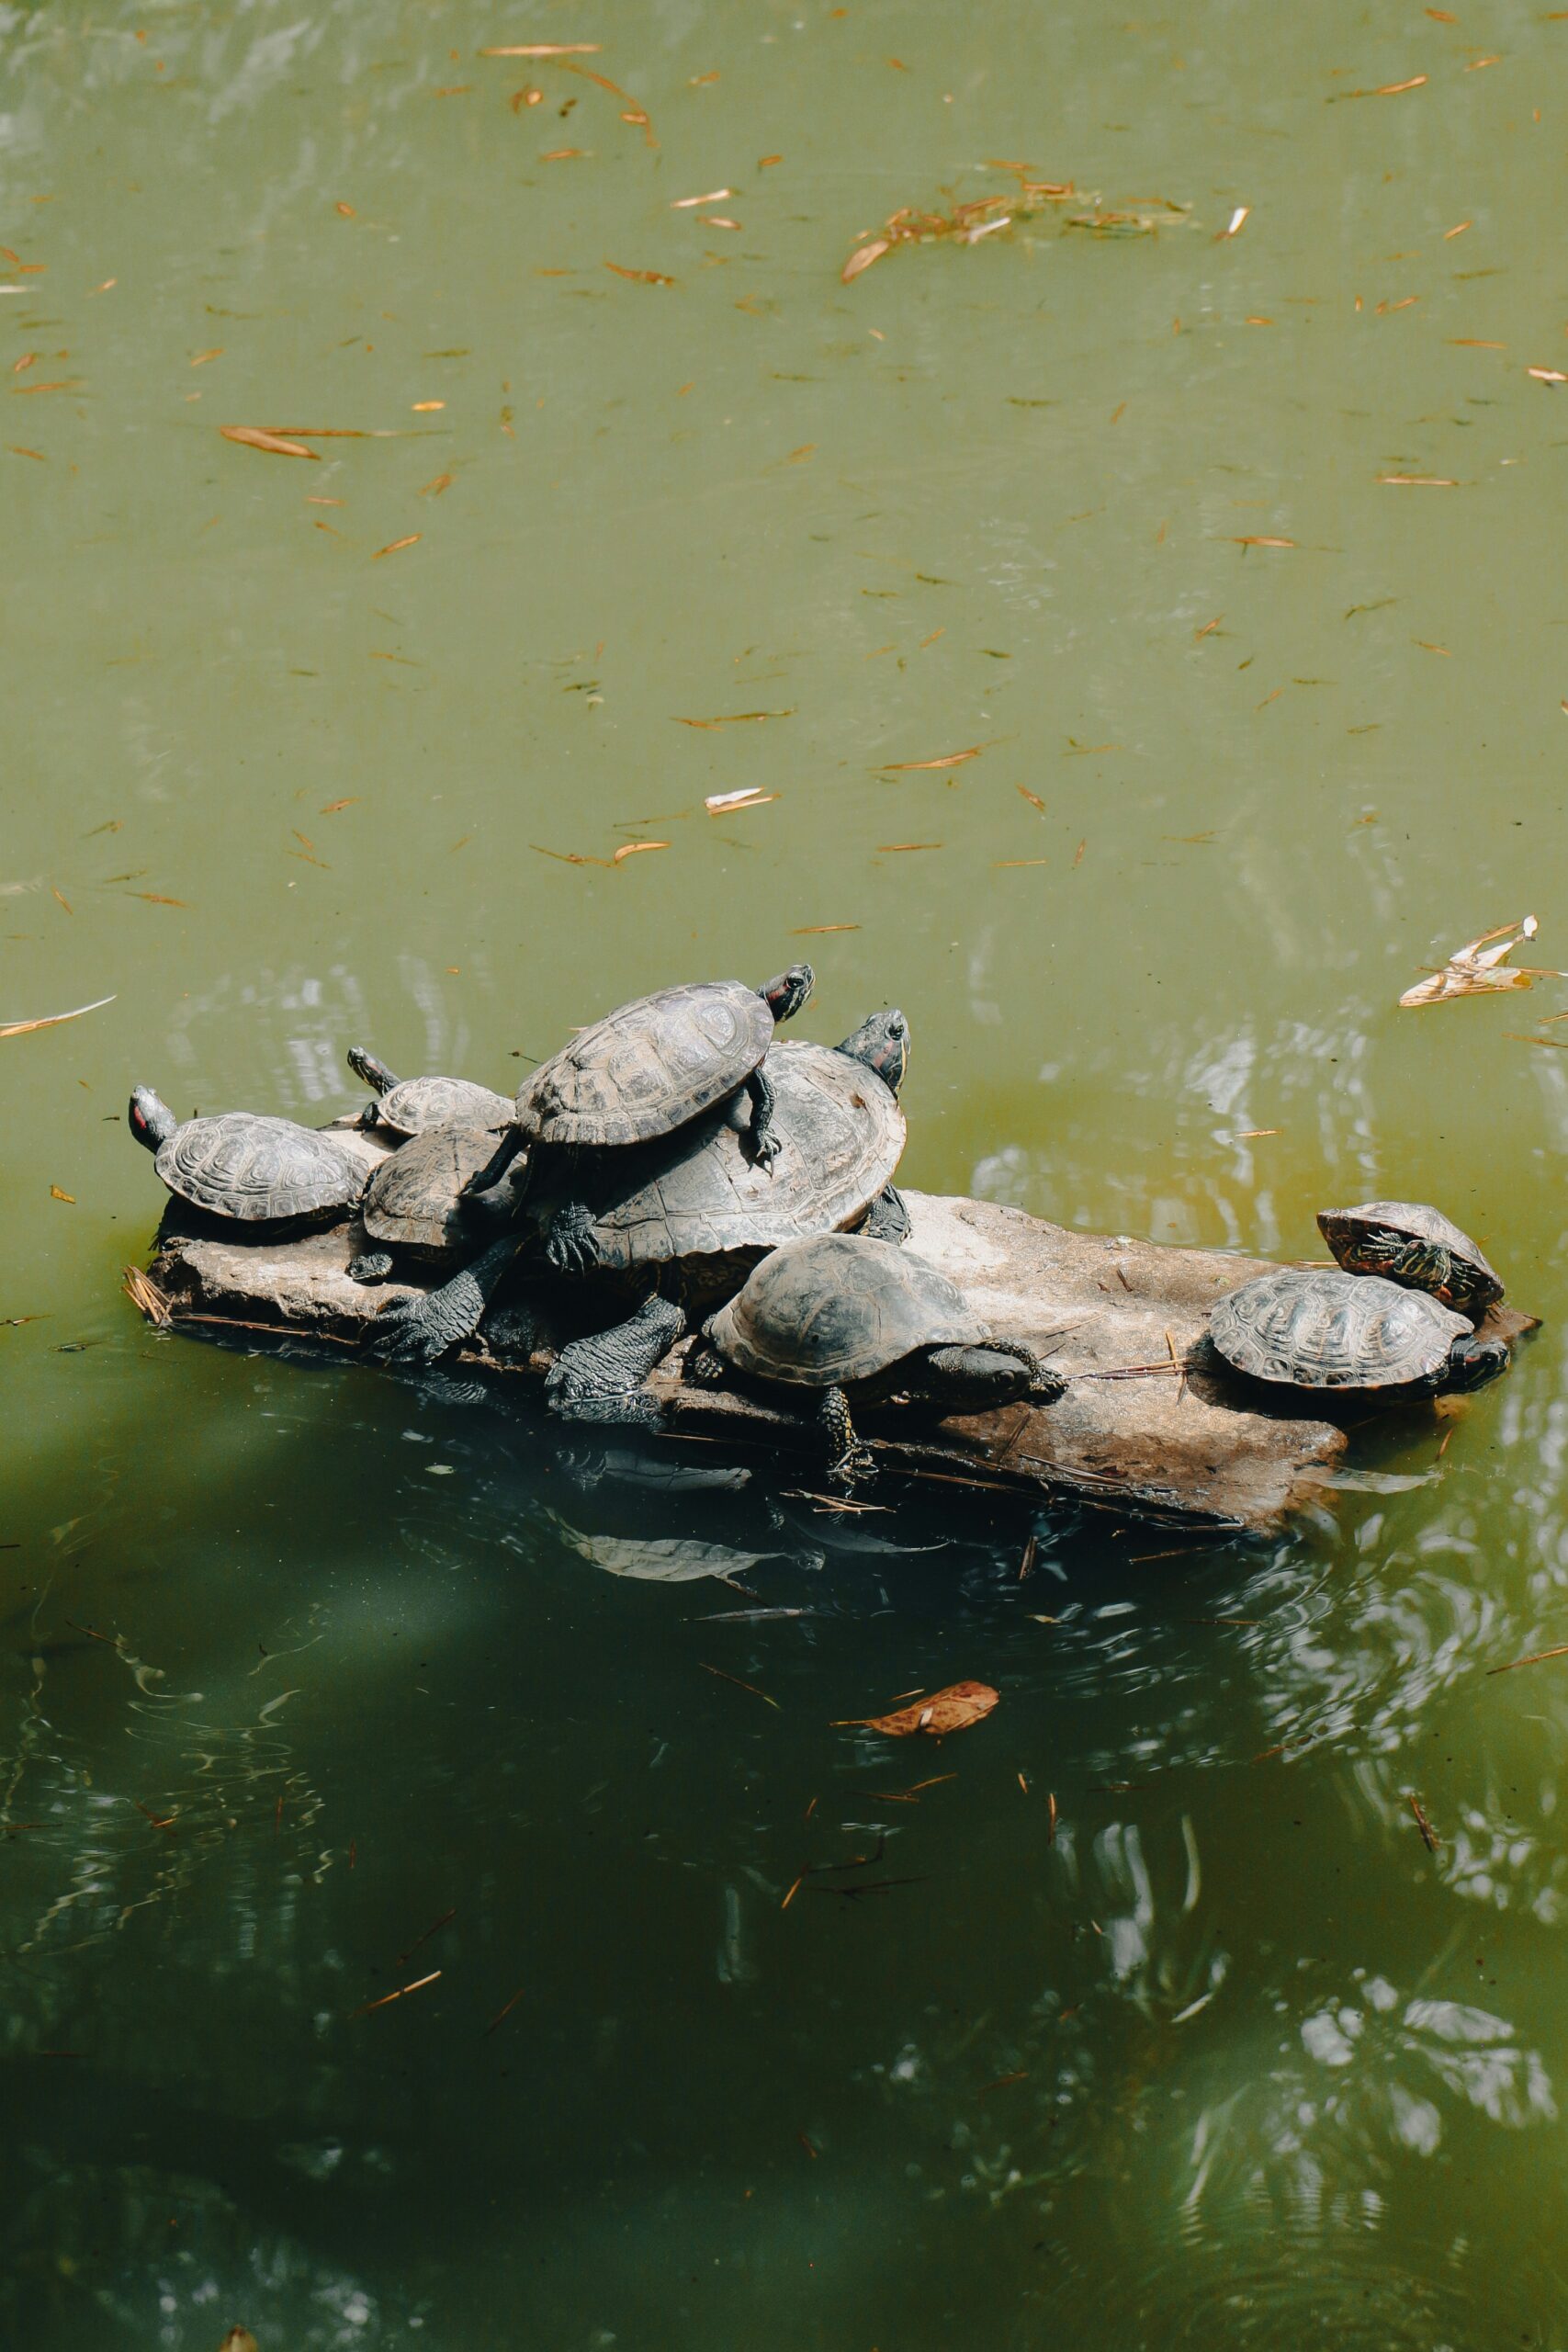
[714, 195]
[434, 488]
[1262, 543]
[366, 2007]
[1032, 797]
[1429, 1837]
[952, 1709]
[144, 1294]
[56, 1194]
[862, 257]
[640, 277]
[333, 807]
[953, 759]
[393, 545]
[633, 849]
[53, 1019]
[888, 849]
[1419, 481]
[156, 899]
[737, 718]
[724, 804]
[817, 930]
[254, 436]
[1547, 375]
[1479, 969]
[1534, 1658]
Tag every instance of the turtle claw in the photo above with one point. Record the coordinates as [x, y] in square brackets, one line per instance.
[765, 1151]
[569, 1244]
[402, 1334]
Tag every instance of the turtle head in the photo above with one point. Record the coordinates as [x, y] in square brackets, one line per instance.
[151, 1119]
[785, 996]
[882, 1045]
[376, 1075]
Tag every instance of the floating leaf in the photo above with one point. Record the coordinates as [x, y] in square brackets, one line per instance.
[640, 277]
[721, 804]
[1480, 967]
[393, 545]
[863, 256]
[736, 719]
[631, 848]
[953, 1708]
[254, 436]
[548, 49]
[952, 760]
[53, 1019]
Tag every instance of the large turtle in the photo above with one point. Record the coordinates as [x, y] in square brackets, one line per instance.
[1308, 1327]
[684, 1220]
[643, 1072]
[242, 1164]
[852, 1317]
[1417, 1247]
[413, 1106]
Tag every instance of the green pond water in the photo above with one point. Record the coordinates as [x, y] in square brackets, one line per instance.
[315, 1682]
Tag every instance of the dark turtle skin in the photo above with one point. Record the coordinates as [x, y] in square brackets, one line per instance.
[695, 1213]
[413, 1106]
[644, 1072]
[253, 1170]
[855, 1319]
[1417, 1247]
[1315, 1329]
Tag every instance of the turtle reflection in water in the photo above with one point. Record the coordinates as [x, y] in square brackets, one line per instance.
[1313, 1328]
[252, 1169]
[856, 1319]
[640, 1073]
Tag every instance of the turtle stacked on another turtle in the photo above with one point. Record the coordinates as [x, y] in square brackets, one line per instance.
[1398, 1317]
[643, 1072]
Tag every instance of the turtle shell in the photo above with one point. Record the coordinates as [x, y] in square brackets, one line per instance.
[415, 1197]
[415, 1105]
[1317, 1330]
[649, 1067]
[700, 1193]
[242, 1165]
[838, 1307]
[1377, 1238]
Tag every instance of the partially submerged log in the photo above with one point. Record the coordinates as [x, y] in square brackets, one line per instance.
[1153, 1424]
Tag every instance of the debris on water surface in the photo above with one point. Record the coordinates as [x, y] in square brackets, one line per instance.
[952, 1709]
[986, 216]
[1480, 967]
[53, 1019]
[239, 2339]
[255, 436]
[1429, 1837]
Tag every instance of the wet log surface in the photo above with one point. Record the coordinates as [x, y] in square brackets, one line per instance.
[1153, 1424]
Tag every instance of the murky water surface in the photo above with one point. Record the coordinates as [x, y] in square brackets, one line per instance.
[315, 1684]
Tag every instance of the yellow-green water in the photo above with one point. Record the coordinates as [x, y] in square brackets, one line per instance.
[1236, 2060]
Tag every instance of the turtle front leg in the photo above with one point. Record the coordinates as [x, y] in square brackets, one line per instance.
[765, 1146]
[603, 1378]
[485, 1179]
[418, 1330]
[569, 1244]
[849, 1463]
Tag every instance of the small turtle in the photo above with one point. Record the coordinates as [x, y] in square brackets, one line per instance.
[413, 1106]
[857, 1318]
[1313, 1328]
[692, 1213]
[415, 1204]
[1417, 1247]
[243, 1166]
[642, 1072]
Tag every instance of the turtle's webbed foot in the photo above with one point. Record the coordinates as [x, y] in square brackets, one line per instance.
[418, 1330]
[887, 1219]
[569, 1244]
[370, 1266]
[849, 1463]
[592, 1371]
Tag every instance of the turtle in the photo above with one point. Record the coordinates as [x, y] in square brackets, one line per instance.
[414, 1203]
[413, 1106]
[697, 1213]
[1417, 1247]
[1310, 1327]
[242, 1164]
[851, 1316]
[641, 1072]
[682, 1220]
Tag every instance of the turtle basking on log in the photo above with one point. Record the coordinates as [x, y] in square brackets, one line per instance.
[852, 1319]
[1309, 1327]
[413, 1106]
[1417, 1247]
[243, 1166]
[414, 1206]
[642, 1072]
